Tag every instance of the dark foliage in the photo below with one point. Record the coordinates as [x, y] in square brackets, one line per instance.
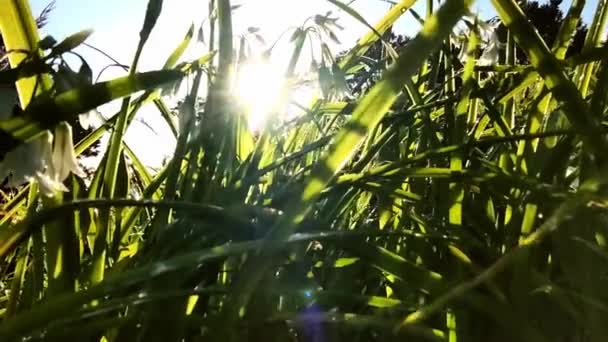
[547, 17]
[375, 60]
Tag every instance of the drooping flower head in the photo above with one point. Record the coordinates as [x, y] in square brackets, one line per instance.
[48, 159]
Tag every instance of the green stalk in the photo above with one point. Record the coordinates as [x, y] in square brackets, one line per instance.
[228, 120]
[593, 39]
[114, 151]
[460, 130]
[131, 215]
[508, 108]
[18, 280]
[555, 78]
[37, 267]
[218, 135]
[560, 47]
[60, 242]
[211, 37]
[424, 71]
[174, 169]
[567, 29]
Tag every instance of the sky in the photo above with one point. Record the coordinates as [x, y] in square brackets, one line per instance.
[116, 25]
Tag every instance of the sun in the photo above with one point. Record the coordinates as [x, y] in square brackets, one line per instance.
[258, 88]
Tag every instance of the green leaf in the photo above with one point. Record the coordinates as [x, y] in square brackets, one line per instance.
[85, 73]
[71, 42]
[152, 13]
[68, 105]
[179, 50]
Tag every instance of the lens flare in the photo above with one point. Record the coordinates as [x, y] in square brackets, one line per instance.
[258, 88]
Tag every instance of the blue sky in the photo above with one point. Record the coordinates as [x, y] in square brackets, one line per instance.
[116, 25]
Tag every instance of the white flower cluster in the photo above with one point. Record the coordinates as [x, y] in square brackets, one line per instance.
[48, 159]
[489, 42]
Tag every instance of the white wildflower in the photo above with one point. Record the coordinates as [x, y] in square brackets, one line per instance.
[64, 158]
[91, 119]
[490, 53]
[46, 159]
[488, 34]
[21, 164]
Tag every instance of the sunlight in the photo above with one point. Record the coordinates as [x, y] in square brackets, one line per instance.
[258, 86]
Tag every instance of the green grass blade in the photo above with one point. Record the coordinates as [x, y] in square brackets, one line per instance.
[179, 50]
[368, 113]
[68, 105]
[555, 78]
[365, 43]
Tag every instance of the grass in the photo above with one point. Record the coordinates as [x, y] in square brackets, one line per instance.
[446, 202]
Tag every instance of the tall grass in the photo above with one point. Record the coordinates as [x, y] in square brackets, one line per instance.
[450, 201]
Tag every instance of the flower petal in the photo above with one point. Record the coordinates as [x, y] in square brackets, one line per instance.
[91, 119]
[490, 54]
[22, 163]
[64, 158]
[49, 186]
